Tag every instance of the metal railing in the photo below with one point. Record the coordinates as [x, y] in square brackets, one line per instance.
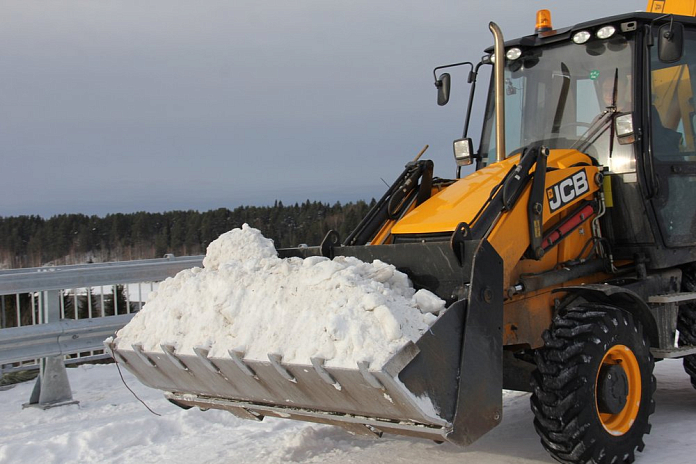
[54, 315]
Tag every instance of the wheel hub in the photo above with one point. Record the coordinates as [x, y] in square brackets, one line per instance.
[612, 389]
[618, 390]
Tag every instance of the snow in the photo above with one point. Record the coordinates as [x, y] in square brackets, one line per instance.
[246, 298]
[111, 426]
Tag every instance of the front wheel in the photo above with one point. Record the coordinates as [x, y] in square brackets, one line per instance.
[593, 387]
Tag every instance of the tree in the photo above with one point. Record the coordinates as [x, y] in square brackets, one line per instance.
[121, 305]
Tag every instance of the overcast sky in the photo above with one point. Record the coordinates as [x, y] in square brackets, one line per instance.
[120, 106]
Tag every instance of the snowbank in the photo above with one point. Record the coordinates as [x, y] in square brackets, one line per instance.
[247, 298]
[111, 427]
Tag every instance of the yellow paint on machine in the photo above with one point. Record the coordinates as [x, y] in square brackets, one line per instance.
[677, 7]
[461, 201]
[509, 235]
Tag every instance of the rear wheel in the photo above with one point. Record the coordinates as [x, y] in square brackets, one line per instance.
[686, 323]
[593, 387]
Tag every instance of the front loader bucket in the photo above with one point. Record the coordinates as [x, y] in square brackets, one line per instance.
[444, 386]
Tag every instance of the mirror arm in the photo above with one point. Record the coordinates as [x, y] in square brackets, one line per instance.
[449, 66]
[652, 23]
[473, 75]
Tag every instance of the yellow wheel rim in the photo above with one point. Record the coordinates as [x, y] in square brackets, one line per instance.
[621, 422]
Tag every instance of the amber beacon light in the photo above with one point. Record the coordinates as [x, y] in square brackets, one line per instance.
[543, 21]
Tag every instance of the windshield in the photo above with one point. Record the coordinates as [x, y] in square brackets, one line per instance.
[563, 96]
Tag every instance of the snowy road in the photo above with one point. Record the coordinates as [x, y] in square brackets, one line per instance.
[110, 426]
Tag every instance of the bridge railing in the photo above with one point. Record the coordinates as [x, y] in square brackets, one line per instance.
[51, 316]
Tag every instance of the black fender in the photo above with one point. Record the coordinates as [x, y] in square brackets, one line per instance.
[620, 297]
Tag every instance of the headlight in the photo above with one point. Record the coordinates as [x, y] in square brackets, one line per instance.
[513, 54]
[624, 125]
[606, 32]
[581, 37]
[463, 151]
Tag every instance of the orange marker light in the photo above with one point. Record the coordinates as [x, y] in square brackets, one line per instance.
[543, 21]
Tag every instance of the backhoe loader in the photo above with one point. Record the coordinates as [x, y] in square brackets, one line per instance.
[566, 257]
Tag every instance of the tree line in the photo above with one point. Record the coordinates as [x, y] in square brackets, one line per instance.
[32, 241]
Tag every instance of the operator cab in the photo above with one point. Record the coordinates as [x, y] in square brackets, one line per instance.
[621, 90]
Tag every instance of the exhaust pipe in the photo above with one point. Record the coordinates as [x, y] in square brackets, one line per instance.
[498, 72]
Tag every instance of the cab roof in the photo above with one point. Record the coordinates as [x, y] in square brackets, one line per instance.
[557, 35]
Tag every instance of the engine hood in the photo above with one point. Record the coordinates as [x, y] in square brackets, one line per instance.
[461, 201]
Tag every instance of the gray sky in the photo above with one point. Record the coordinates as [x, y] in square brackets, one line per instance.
[120, 106]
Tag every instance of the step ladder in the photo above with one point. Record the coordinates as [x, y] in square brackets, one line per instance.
[670, 303]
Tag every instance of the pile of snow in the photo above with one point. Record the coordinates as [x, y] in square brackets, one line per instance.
[247, 298]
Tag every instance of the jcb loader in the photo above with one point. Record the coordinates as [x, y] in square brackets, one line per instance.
[567, 258]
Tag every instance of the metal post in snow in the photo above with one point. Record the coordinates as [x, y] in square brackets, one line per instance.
[52, 387]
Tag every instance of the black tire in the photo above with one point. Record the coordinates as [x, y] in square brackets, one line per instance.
[582, 343]
[686, 323]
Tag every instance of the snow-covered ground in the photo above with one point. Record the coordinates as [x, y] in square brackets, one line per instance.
[111, 426]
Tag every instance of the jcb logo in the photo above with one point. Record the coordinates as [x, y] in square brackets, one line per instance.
[567, 190]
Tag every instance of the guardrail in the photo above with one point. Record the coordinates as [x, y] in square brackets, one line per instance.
[52, 334]
[60, 338]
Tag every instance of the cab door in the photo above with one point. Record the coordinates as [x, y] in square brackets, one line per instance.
[672, 128]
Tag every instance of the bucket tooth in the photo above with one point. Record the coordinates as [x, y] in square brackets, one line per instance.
[363, 367]
[276, 360]
[238, 358]
[202, 353]
[138, 349]
[111, 349]
[318, 364]
[169, 351]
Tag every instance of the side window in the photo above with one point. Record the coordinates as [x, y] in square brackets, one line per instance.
[672, 108]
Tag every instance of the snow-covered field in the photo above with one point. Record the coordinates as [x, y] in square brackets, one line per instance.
[111, 426]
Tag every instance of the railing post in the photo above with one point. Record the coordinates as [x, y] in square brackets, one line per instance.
[52, 387]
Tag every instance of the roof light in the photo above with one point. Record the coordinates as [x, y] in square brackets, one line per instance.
[606, 32]
[581, 37]
[513, 54]
[543, 21]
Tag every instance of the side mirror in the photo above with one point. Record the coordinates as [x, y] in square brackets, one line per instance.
[670, 42]
[443, 89]
[624, 128]
[463, 151]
